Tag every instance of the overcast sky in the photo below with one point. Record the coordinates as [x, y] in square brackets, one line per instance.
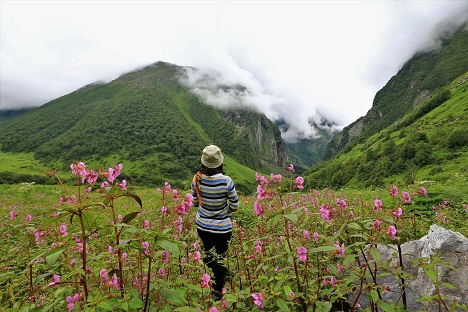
[300, 60]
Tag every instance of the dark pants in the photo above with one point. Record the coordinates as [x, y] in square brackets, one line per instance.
[215, 246]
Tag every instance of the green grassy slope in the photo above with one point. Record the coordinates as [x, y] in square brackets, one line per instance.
[423, 73]
[428, 145]
[145, 119]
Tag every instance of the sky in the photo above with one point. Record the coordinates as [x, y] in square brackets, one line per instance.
[300, 61]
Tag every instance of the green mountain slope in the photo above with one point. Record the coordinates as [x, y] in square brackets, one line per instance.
[419, 79]
[150, 122]
[428, 144]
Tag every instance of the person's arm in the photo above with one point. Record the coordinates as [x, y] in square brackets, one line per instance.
[232, 196]
[195, 201]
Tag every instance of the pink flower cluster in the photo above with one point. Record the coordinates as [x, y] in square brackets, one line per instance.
[111, 282]
[258, 300]
[91, 176]
[72, 300]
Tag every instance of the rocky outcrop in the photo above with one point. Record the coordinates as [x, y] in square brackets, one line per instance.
[451, 275]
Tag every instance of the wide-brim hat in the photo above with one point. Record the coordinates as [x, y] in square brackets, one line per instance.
[212, 157]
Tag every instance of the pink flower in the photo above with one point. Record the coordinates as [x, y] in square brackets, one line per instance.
[258, 208]
[341, 203]
[79, 168]
[422, 191]
[276, 177]
[164, 210]
[291, 168]
[258, 300]
[63, 230]
[260, 192]
[299, 182]
[28, 218]
[326, 214]
[123, 185]
[165, 256]
[376, 224]
[145, 246]
[306, 234]
[378, 204]
[114, 282]
[392, 232]
[103, 275]
[146, 224]
[394, 191]
[206, 281]
[56, 280]
[302, 251]
[397, 214]
[333, 281]
[92, 176]
[406, 197]
[214, 309]
[341, 251]
[291, 294]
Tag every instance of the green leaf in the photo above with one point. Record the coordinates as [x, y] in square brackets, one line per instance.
[375, 253]
[282, 305]
[185, 309]
[287, 289]
[53, 257]
[322, 249]
[130, 217]
[374, 295]
[230, 298]
[170, 246]
[135, 303]
[104, 305]
[173, 296]
[449, 286]
[324, 306]
[354, 226]
[135, 197]
[386, 307]
[291, 216]
[432, 275]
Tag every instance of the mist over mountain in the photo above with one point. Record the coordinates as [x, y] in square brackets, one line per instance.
[418, 79]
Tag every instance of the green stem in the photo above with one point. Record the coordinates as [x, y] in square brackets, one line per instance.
[83, 254]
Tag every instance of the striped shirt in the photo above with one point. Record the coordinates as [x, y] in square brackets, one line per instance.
[219, 199]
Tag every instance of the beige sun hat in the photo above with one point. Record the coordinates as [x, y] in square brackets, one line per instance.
[212, 157]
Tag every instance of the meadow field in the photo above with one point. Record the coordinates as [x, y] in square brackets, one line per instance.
[103, 245]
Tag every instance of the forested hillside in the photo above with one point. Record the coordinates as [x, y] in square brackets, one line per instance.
[149, 121]
[419, 79]
[428, 144]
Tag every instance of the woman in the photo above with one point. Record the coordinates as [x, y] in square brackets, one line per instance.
[215, 196]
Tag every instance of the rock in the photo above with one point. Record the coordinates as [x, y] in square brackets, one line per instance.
[451, 247]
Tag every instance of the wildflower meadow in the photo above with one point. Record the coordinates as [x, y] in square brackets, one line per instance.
[102, 245]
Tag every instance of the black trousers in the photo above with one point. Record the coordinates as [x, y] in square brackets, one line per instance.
[215, 246]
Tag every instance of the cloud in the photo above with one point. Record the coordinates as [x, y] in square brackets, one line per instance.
[299, 61]
[241, 88]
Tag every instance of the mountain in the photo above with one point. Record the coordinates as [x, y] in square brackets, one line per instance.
[148, 120]
[428, 144]
[10, 113]
[418, 79]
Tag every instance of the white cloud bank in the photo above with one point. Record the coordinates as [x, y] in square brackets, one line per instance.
[300, 60]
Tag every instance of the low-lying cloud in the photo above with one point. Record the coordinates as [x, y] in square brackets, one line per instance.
[246, 91]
